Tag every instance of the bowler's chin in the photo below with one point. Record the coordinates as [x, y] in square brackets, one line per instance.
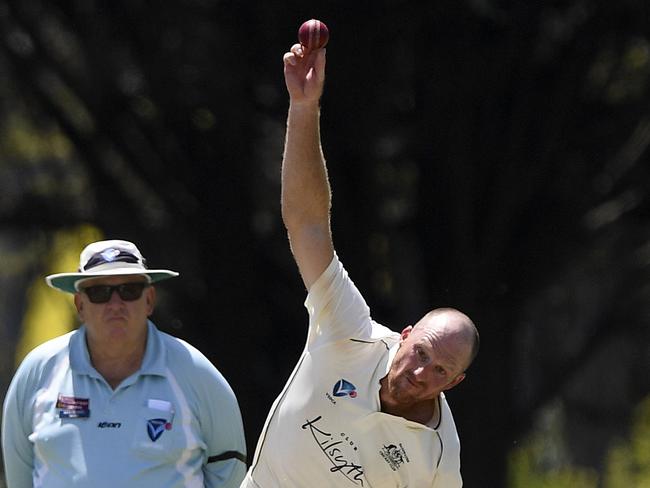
[403, 391]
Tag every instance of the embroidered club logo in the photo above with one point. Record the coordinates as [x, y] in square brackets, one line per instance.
[344, 388]
[155, 428]
[395, 456]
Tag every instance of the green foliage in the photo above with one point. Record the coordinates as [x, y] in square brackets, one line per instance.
[22, 140]
[542, 461]
[628, 463]
[527, 470]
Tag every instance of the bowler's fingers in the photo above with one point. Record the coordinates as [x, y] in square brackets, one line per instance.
[319, 65]
[294, 55]
[297, 55]
[289, 59]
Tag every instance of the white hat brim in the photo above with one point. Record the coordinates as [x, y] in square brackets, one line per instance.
[67, 281]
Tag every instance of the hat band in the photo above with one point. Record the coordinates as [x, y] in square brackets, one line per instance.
[105, 258]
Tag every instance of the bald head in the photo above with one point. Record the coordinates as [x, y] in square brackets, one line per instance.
[451, 323]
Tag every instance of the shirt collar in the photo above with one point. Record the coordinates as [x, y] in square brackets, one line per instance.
[155, 354]
[391, 355]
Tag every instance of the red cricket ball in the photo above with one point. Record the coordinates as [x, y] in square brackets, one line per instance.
[313, 34]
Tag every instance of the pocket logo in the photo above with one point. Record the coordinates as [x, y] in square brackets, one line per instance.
[155, 428]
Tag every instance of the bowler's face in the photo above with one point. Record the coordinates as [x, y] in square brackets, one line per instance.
[117, 321]
[428, 362]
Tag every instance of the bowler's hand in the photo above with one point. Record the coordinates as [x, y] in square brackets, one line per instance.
[304, 74]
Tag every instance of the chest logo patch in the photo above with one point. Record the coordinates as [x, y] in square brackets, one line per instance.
[344, 388]
[71, 407]
[394, 455]
[155, 428]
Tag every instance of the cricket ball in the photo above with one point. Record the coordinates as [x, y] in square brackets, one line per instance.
[313, 34]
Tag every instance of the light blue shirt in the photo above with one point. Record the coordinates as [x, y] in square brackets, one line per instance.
[175, 423]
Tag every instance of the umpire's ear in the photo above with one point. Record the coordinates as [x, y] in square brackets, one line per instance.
[79, 303]
[150, 296]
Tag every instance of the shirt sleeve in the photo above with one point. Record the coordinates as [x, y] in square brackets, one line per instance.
[336, 308]
[16, 448]
[223, 432]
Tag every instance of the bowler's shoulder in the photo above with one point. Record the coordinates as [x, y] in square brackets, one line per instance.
[385, 334]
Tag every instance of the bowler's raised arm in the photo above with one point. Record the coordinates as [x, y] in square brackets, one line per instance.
[306, 196]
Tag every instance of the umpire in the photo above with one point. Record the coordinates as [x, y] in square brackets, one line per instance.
[118, 403]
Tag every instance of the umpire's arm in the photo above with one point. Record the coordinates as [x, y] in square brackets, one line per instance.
[223, 431]
[17, 450]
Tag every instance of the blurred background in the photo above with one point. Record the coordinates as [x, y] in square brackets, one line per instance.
[488, 155]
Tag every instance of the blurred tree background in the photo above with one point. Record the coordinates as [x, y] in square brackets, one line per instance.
[489, 155]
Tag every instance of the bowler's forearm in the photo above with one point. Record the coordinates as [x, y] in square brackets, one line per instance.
[306, 196]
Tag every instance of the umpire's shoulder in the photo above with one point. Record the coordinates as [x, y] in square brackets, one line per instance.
[189, 363]
[48, 352]
[40, 363]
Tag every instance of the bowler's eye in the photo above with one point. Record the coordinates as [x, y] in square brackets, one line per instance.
[422, 355]
[441, 371]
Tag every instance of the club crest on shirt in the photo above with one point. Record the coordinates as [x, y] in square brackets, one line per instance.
[395, 456]
[155, 428]
[341, 388]
[344, 388]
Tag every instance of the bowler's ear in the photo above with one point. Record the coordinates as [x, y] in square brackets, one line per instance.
[406, 332]
[456, 380]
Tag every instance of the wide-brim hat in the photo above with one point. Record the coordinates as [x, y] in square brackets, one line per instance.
[107, 258]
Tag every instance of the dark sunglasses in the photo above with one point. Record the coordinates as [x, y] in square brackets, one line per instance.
[127, 292]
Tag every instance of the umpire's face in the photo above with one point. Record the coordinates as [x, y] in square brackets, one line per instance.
[431, 359]
[115, 309]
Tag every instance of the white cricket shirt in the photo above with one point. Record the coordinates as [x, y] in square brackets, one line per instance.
[326, 428]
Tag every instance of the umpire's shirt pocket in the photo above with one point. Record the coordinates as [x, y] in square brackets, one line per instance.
[160, 434]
